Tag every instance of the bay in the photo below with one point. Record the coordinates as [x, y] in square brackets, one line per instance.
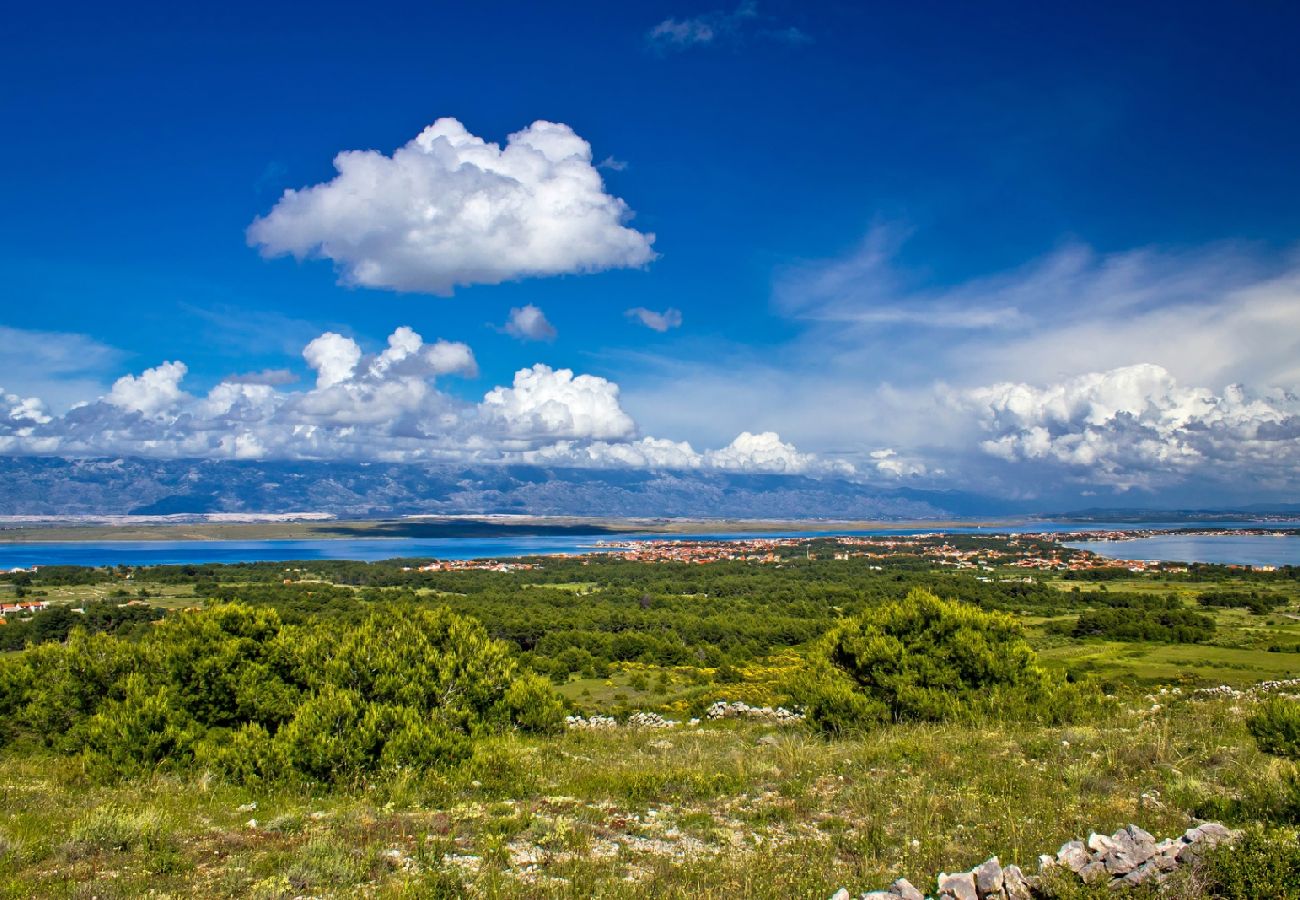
[1223, 549]
[166, 552]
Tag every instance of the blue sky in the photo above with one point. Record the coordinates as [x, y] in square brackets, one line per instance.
[1002, 245]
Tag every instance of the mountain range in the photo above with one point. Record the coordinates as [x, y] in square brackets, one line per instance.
[51, 486]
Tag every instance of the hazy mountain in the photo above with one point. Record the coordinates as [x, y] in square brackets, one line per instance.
[54, 486]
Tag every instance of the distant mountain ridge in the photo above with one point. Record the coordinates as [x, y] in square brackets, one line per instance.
[37, 486]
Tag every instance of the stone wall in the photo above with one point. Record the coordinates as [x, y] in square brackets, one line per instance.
[1127, 858]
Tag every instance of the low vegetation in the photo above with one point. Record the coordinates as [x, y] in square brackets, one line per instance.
[342, 729]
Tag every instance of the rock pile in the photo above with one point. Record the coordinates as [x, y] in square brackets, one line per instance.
[777, 716]
[1229, 692]
[650, 720]
[1127, 858]
[592, 723]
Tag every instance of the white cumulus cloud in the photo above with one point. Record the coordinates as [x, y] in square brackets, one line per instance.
[450, 209]
[528, 323]
[151, 392]
[333, 356]
[555, 402]
[1136, 426]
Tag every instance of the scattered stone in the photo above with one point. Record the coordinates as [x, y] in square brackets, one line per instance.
[988, 878]
[904, 889]
[1094, 872]
[1128, 858]
[1099, 843]
[1073, 856]
[959, 886]
[779, 716]
[841, 894]
[1014, 884]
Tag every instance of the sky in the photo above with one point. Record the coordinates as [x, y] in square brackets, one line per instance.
[1043, 253]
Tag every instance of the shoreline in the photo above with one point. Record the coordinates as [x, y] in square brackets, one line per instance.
[415, 527]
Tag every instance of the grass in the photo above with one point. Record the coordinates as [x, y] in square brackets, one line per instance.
[1172, 663]
[722, 810]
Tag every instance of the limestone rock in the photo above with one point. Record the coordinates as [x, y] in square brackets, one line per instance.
[1099, 843]
[960, 886]
[1148, 871]
[1073, 856]
[905, 889]
[1094, 872]
[988, 878]
[841, 894]
[1015, 884]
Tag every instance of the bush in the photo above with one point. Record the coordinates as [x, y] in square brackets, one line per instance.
[1263, 864]
[1276, 727]
[530, 704]
[1168, 626]
[922, 659]
[235, 689]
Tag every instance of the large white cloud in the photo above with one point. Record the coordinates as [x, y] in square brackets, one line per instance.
[449, 209]
[151, 392]
[557, 403]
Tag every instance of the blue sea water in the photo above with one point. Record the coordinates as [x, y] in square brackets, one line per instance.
[145, 553]
[1224, 549]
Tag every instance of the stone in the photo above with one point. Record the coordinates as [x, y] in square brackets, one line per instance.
[1212, 833]
[988, 878]
[878, 895]
[1099, 843]
[906, 890]
[1167, 860]
[1140, 836]
[841, 894]
[1120, 861]
[1094, 872]
[961, 886]
[1144, 845]
[1015, 885]
[1148, 871]
[1073, 856]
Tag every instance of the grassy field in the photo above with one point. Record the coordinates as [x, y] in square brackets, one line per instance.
[722, 810]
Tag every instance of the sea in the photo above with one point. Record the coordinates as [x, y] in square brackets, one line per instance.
[1240, 549]
[1224, 549]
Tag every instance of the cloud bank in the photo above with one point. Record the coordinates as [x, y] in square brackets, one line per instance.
[450, 209]
[1160, 371]
[384, 406]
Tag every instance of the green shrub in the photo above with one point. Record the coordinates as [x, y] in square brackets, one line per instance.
[1276, 727]
[1263, 864]
[148, 727]
[532, 705]
[923, 659]
[234, 689]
